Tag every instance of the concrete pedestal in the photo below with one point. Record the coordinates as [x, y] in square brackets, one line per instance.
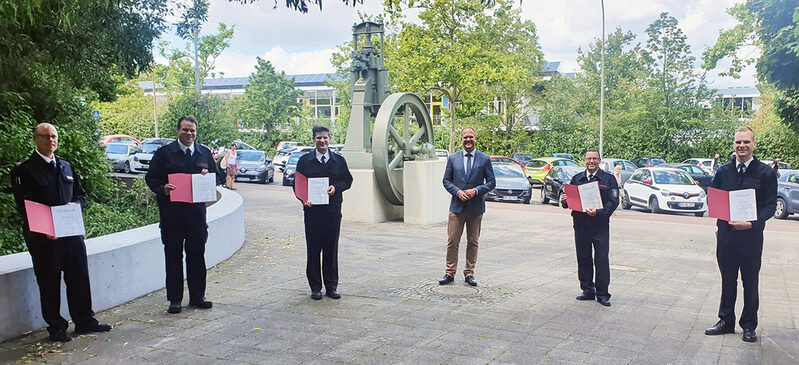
[363, 202]
[426, 200]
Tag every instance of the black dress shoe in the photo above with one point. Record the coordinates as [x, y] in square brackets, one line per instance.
[94, 327]
[316, 294]
[446, 280]
[202, 304]
[470, 280]
[60, 336]
[603, 301]
[333, 294]
[585, 296]
[721, 327]
[749, 335]
[174, 307]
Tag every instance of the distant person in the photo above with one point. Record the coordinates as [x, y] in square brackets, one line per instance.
[617, 175]
[776, 166]
[739, 244]
[714, 166]
[323, 222]
[231, 166]
[50, 180]
[468, 177]
[183, 225]
[592, 231]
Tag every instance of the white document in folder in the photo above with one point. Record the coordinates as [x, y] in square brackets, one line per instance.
[203, 187]
[68, 220]
[743, 205]
[317, 190]
[589, 196]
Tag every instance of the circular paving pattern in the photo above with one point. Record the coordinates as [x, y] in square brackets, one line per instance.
[454, 293]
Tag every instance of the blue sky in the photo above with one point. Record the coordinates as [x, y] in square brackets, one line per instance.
[302, 43]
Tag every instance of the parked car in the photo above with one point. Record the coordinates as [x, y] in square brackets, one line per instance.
[787, 194]
[564, 155]
[442, 154]
[700, 176]
[336, 148]
[254, 165]
[523, 158]
[286, 144]
[140, 161]
[537, 168]
[505, 159]
[703, 163]
[291, 165]
[627, 167]
[555, 180]
[782, 165]
[662, 189]
[119, 138]
[283, 155]
[512, 185]
[648, 161]
[118, 153]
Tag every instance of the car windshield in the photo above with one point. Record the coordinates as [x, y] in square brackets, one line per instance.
[150, 147]
[295, 157]
[250, 155]
[507, 170]
[116, 148]
[536, 163]
[673, 178]
[656, 161]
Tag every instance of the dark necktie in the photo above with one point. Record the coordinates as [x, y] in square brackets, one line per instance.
[590, 176]
[741, 171]
[323, 159]
[55, 167]
[468, 164]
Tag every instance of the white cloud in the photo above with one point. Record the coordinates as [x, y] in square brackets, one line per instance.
[301, 62]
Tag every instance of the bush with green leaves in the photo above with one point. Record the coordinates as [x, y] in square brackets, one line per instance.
[214, 126]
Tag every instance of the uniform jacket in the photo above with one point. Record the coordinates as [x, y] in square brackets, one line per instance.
[608, 189]
[170, 160]
[335, 170]
[481, 178]
[35, 180]
[759, 177]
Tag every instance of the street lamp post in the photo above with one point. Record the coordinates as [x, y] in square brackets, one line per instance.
[602, 84]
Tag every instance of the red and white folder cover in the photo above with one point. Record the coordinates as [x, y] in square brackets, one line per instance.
[583, 197]
[193, 188]
[736, 205]
[311, 189]
[58, 221]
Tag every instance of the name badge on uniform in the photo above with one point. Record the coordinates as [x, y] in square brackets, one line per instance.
[69, 178]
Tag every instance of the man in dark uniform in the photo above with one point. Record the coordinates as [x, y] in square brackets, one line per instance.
[47, 179]
[739, 244]
[183, 225]
[323, 222]
[592, 228]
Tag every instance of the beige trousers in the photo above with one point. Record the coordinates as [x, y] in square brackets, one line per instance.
[454, 233]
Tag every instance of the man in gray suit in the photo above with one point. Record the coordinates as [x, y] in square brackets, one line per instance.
[469, 177]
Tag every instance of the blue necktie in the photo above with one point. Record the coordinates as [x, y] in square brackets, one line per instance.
[468, 165]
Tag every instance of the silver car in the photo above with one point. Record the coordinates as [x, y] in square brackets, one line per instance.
[627, 167]
[254, 165]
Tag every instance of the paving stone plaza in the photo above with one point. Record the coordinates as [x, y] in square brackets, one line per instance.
[664, 281]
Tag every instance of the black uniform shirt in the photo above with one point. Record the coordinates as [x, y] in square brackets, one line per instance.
[35, 180]
[757, 176]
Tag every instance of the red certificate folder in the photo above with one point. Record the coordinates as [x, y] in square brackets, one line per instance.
[301, 187]
[573, 197]
[40, 218]
[182, 192]
[718, 204]
[735, 205]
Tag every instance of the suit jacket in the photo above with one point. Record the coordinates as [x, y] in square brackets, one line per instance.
[335, 170]
[35, 180]
[170, 160]
[608, 190]
[481, 178]
[759, 177]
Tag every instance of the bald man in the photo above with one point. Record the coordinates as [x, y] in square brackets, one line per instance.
[48, 179]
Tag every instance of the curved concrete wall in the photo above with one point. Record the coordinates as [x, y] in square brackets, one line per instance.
[122, 266]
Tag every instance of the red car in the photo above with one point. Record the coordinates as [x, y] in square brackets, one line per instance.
[120, 138]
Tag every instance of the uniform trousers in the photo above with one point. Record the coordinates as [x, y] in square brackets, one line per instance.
[50, 258]
[454, 232]
[322, 228]
[594, 237]
[739, 250]
[185, 230]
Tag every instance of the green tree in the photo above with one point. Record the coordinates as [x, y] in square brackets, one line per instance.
[772, 26]
[130, 114]
[214, 126]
